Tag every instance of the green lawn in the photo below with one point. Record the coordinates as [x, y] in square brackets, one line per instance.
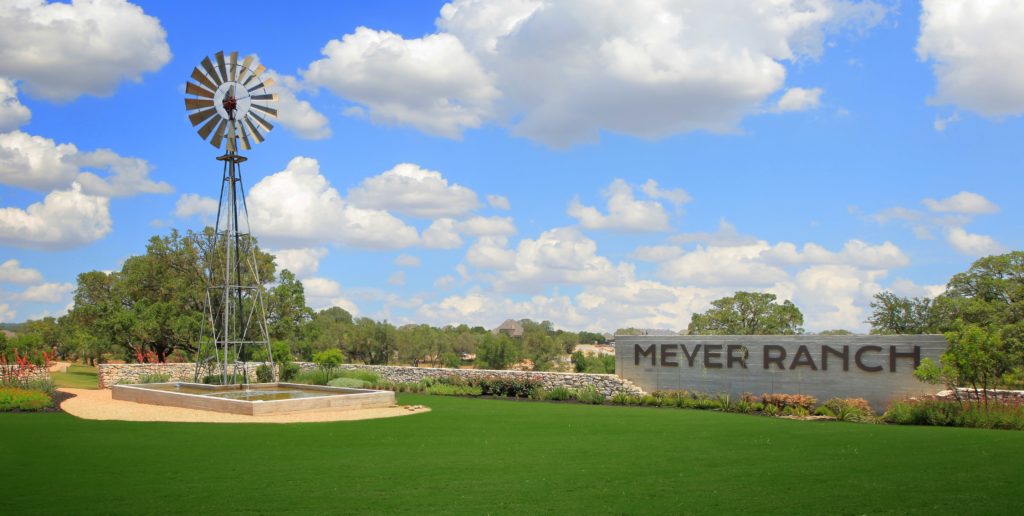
[495, 456]
[77, 377]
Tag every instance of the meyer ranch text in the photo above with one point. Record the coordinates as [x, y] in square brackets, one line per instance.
[868, 358]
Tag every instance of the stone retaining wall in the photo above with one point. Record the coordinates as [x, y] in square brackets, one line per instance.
[993, 394]
[36, 373]
[607, 384]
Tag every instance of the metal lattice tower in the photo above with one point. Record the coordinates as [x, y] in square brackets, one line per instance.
[224, 101]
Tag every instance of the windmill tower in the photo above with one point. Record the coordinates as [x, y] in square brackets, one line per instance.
[229, 102]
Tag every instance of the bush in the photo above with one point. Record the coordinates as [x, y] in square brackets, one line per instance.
[771, 410]
[560, 393]
[154, 378]
[353, 383]
[453, 390]
[938, 412]
[329, 359]
[45, 385]
[314, 377]
[824, 411]
[850, 409]
[508, 387]
[14, 398]
[264, 374]
[215, 379]
[781, 401]
[289, 371]
[360, 374]
[620, 398]
[589, 395]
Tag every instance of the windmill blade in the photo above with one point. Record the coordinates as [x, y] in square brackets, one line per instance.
[208, 66]
[191, 104]
[269, 81]
[200, 77]
[255, 73]
[195, 89]
[199, 116]
[245, 137]
[243, 73]
[204, 131]
[269, 97]
[233, 69]
[260, 120]
[221, 67]
[218, 135]
[270, 111]
[252, 129]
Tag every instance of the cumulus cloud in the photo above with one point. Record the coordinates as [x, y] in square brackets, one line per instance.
[7, 314]
[491, 253]
[397, 278]
[408, 260]
[963, 202]
[487, 226]
[499, 202]
[656, 253]
[799, 99]
[324, 293]
[855, 252]
[835, 296]
[430, 83]
[12, 113]
[46, 293]
[411, 190]
[40, 164]
[442, 234]
[625, 212]
[11, 271]
[298, 206]
[64, 219]
[60, 51]
[975, 51]
[725, 235]
[740, 265]
[677, 196]
[444, 282]
[973, 244]
[190, 205]
[299, 116]
[303, 261]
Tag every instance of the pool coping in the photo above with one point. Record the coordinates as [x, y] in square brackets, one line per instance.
[346, 399]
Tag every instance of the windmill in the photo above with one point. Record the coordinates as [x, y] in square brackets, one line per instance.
[229, 102]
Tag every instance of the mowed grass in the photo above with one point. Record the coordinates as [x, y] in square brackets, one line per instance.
[479, 456]
[78, 376]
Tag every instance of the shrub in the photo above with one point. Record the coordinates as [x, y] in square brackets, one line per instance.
[14, 398]
[781, 401]
[215, 379]
[850, 409]
[44, 385]
[938, 412]
[589, 395]
[314, 377]
[771, 410]
[649, 400]
[451, 360]
[264, 374]
[289, 371]
[154, 378]
[620, 398]
[328, 360]
[453, 390]
[353, 383]
[508, 387]
[824, 411]
[560, 393]
[360, 374]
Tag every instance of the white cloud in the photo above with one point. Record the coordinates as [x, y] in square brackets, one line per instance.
[499, 202]
[7, 314]
[487, 226]
[190, 205]
[11, 271]
[570, 69]
[963, 202]
[299, 116]
[835, 296]
[941, 124]
[491, 253]
[397, 279]
[411, 190]
[444, 282]
[855, 252]
[625, 212]
[973, 244]
[677, 196]
[559, 255]
[442, 234]
[725, 235]
[64, 219]
[430, 83]
[46, 293]
[408, 260]
[61, 51]
[12, 113]
[324, 293]
[905, 287]
[799, 99]
[975, 51]
[298, 206]
[741, 265]
[656, 253]
[40, 164]
[303, 262]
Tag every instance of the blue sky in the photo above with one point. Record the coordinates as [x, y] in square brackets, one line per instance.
[596, 164]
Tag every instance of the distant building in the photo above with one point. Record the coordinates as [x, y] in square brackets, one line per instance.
[509, 327]
[595, 349]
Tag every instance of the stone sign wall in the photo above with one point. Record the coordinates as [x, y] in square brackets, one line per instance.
[878, 368]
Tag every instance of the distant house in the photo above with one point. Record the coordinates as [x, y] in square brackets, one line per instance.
[509, 327]
[595, 349]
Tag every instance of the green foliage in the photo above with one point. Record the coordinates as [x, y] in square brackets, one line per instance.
[42, 385]
[450, 360]
[317, 376]
[289, 371]
[15, 398]
[353, 383]
[560, 393]
[937, 412]
[895, 315]
[748, 313]
[154, 378]
[849, 409]
[596, 364]
[328, 360]
[264, 374]
[496, 352]
[781, 401]
[508, 387]
[588, 395]
[454, 390]
[216, 379]
[360, 374]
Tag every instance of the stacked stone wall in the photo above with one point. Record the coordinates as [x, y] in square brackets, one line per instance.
[34, 373]
[607, 384]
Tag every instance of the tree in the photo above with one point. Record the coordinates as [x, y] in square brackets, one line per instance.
[748, 313]
[895, 315]
[835, 332]
[287, 313]
[496, 352]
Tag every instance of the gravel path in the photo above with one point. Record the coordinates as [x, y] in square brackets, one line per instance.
[98, 404]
